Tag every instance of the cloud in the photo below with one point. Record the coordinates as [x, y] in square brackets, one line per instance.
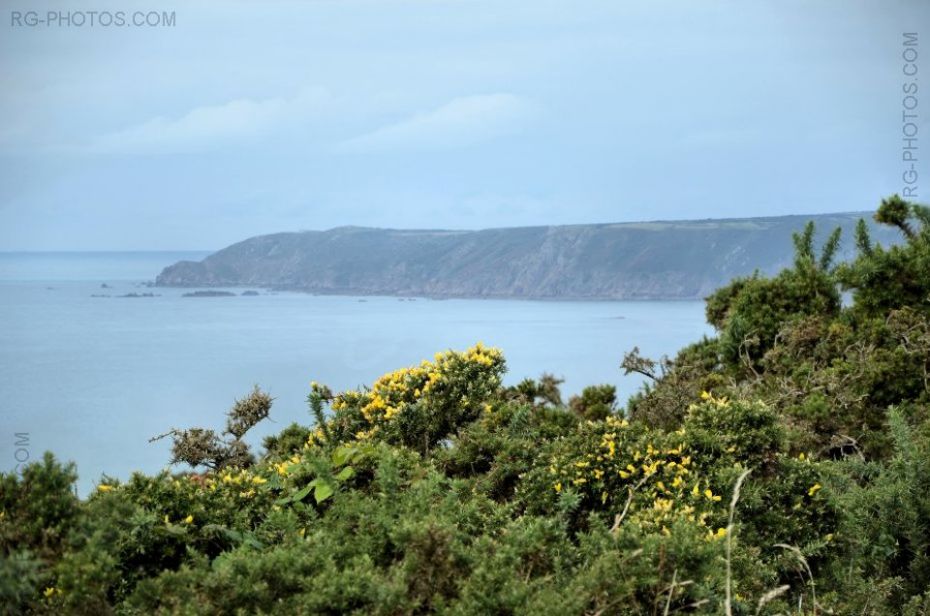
[209, 127]
[461, 122]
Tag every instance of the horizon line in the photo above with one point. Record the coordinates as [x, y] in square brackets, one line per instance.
[473, 230]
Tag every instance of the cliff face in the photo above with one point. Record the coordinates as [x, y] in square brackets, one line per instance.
[660, 260]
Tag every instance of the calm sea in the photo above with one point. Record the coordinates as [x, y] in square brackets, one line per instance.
[92, 378]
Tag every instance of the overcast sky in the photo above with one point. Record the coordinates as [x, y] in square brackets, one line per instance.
[277, 116]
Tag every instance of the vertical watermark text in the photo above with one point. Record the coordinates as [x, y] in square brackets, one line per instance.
[910, 131]
[20, 449]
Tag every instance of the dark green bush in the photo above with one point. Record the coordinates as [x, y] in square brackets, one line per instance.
[595, 403]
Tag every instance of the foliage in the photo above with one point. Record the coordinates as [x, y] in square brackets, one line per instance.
[38, 510]
[782, 466]
[201, 447]
[544, 392]
[596, 402]
[884, 279]
[678, 383]
[417, 406]
[888, 512]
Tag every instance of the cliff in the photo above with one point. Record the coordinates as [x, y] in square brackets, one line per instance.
[651, 260]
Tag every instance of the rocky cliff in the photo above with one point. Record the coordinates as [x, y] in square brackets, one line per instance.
[654, 260]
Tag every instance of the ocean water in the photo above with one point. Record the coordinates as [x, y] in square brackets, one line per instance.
[93, 378]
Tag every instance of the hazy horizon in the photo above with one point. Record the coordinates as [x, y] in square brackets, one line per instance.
[866, 214]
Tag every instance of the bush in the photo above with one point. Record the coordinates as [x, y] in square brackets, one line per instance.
[888, 508]
[418, 406]
[38, 508]
[440, 490]
[596, 402]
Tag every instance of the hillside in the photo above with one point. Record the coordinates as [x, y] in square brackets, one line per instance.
[652, 260]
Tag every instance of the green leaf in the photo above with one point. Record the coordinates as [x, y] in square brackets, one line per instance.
[345, 473]
[342, 455]
[250, 540]
[322, 492]
[175, 530]
[216, 529]
[302, 493]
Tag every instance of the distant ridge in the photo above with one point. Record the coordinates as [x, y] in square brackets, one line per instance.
[640, 260]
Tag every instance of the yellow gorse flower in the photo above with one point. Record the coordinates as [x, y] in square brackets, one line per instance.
[394, 393]
[720, 534]
[653, 479]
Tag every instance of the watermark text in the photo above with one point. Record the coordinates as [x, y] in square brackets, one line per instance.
[909, 117]
[92, 19]
[20, 449]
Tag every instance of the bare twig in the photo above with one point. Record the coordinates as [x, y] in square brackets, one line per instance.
[629, 499]
[770, 595]
[671, 591]
[171, 432]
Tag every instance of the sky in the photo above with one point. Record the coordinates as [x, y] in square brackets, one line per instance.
[245, 118]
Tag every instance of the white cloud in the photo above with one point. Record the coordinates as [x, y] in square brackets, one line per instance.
[210, 127]
[461, 122]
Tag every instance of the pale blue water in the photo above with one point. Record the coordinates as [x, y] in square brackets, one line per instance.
[91, 379]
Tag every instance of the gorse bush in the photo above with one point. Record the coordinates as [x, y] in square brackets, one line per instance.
[889, 512]
[418, 406]
[596, 402]
[750, 312]
[199, 447]
[782, 466]
[38, 511]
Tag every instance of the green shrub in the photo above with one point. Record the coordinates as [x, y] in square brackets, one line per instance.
[888, 508]
[440, 490]
[38, 507]
[596, 402]
[418, 406]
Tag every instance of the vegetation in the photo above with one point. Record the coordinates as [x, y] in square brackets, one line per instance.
[781, 466]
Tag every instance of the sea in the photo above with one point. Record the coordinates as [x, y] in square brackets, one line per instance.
[94, 361]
